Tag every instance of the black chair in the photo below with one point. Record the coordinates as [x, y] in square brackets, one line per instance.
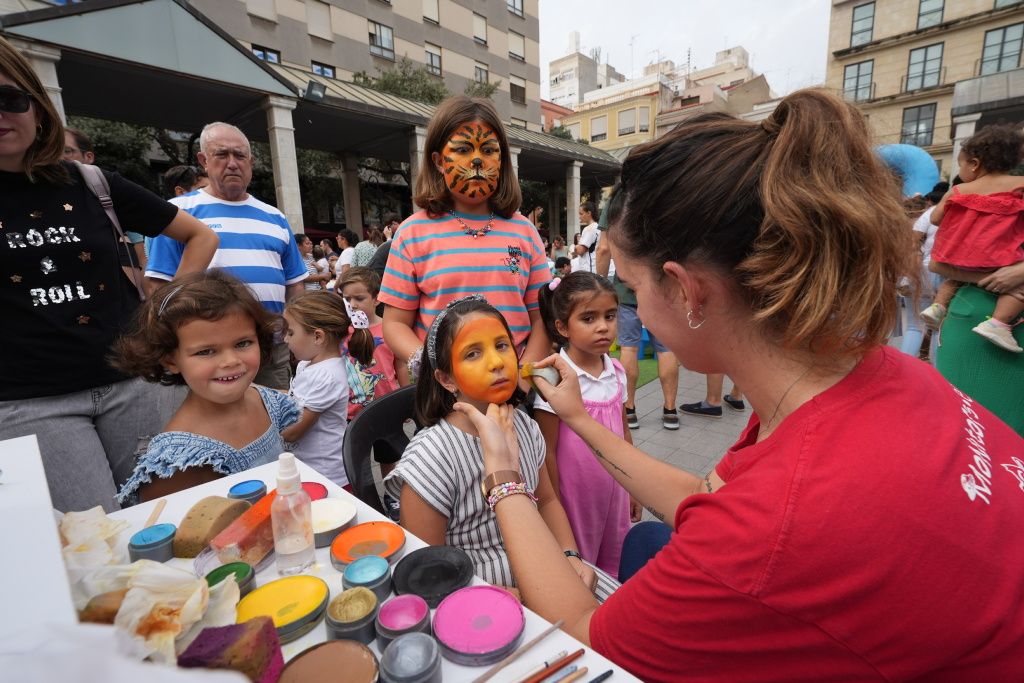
[378, 426]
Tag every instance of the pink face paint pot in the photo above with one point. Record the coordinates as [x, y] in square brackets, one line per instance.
[478, 625]
[412, 658]
[401, 615]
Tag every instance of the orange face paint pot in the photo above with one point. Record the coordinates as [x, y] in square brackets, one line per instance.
[384, 539]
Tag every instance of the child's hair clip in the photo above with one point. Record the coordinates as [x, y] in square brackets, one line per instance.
[554, 283]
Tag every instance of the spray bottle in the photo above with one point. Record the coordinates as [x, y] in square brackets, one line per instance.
[292, 519]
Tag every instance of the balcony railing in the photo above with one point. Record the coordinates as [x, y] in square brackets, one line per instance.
[861, 94]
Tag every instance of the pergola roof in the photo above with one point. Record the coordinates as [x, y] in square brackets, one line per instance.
[163, 63]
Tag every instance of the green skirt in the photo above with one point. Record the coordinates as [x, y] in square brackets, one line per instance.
[990, 375]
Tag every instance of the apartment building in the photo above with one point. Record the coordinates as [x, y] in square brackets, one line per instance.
[575, 74]
[624, 117]
[458, 41]
[900, 60]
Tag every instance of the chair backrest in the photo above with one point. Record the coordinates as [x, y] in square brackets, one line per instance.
[379, 423]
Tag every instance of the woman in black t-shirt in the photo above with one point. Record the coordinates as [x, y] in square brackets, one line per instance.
[65, 299]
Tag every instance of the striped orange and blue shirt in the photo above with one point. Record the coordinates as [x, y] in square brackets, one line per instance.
[433, 261]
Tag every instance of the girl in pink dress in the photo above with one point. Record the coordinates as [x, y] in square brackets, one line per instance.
[981, 227]
[580, 314]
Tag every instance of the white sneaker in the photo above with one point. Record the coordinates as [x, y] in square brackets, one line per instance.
[998, 335]
[933, 316]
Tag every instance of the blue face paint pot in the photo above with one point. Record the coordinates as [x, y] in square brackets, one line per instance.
[251, 491]
[372, 572]
[153, 543]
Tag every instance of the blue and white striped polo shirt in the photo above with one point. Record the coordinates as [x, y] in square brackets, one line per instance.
[256, 246]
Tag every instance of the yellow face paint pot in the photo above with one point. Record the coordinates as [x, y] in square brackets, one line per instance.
[295, 603]
[384, 539]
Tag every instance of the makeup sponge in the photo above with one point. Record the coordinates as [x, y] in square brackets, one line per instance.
[251, 648]
[529, 371]
[203, 521]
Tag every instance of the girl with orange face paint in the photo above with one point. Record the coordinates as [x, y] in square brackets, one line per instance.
[470, 358]
[469, 237]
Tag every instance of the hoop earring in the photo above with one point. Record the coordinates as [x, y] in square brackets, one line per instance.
[689, 318]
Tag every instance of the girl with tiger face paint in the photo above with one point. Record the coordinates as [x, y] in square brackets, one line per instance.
[470, 164]
[468, 236]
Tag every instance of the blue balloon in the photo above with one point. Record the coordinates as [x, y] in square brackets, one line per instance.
[917, 168]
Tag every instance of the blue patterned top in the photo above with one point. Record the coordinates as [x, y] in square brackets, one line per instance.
[170, 452]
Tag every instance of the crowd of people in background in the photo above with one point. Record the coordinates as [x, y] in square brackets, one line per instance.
[819, 524]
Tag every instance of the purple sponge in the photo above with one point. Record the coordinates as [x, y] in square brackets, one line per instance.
[251, 647]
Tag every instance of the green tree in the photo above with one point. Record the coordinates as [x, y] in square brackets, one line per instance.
[406, 80]
[561, 132]
[481, 89]
[121, 147]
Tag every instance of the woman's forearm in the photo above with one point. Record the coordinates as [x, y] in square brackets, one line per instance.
[200, 242]
[658, 486]
[547, 582]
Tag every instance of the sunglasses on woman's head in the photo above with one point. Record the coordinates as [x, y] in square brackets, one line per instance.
[14, 100]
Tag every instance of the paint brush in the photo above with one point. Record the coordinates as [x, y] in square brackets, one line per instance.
[541, 667]
[561, 663]
[575, 677]
[155, 514]
[602, 677]
[487, 675]
[564, 673]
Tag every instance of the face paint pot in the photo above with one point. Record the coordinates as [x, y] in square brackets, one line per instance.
[370, 572]
[351, 616]
[385, 539]
[251, 491]
[331, 516]
[330, 662]
[478, 625]
[412, 658]
[153, 543]
[295, 603]
[433, 573]
[243, 573]
[401, 615]
[316, 490]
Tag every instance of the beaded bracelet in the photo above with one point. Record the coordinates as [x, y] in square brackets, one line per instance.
[509, 489]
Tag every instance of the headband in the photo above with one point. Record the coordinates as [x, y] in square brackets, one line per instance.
[432, 335]
[167, 300]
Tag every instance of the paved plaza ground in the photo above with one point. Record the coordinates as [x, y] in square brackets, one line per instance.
[700, 442]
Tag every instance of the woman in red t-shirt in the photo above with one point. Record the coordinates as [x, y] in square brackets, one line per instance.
[854, 532]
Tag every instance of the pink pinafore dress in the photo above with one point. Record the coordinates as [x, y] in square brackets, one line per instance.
[596, 505]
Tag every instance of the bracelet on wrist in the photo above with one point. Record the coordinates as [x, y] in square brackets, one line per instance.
[502, 491]
[573, 553]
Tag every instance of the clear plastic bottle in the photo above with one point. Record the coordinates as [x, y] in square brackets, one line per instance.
[292, 520]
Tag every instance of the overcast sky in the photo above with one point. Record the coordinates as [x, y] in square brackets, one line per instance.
[786, 39]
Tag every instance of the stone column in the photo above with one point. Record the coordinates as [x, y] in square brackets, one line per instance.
[44, 61]
[572, 199]
[553, 214]
[417, 145]
[963, 128]
[514, 153]
[286, 165]
[350, 192]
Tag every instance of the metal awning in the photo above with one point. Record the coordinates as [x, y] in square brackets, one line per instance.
[163, 63]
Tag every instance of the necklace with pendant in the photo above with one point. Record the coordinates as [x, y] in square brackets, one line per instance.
[474, 232]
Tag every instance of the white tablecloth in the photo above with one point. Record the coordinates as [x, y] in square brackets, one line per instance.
[179, 503]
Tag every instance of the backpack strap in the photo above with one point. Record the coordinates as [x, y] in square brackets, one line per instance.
[98, 185]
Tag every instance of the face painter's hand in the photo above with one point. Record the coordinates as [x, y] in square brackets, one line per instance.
[492, 433]
[565, 399]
